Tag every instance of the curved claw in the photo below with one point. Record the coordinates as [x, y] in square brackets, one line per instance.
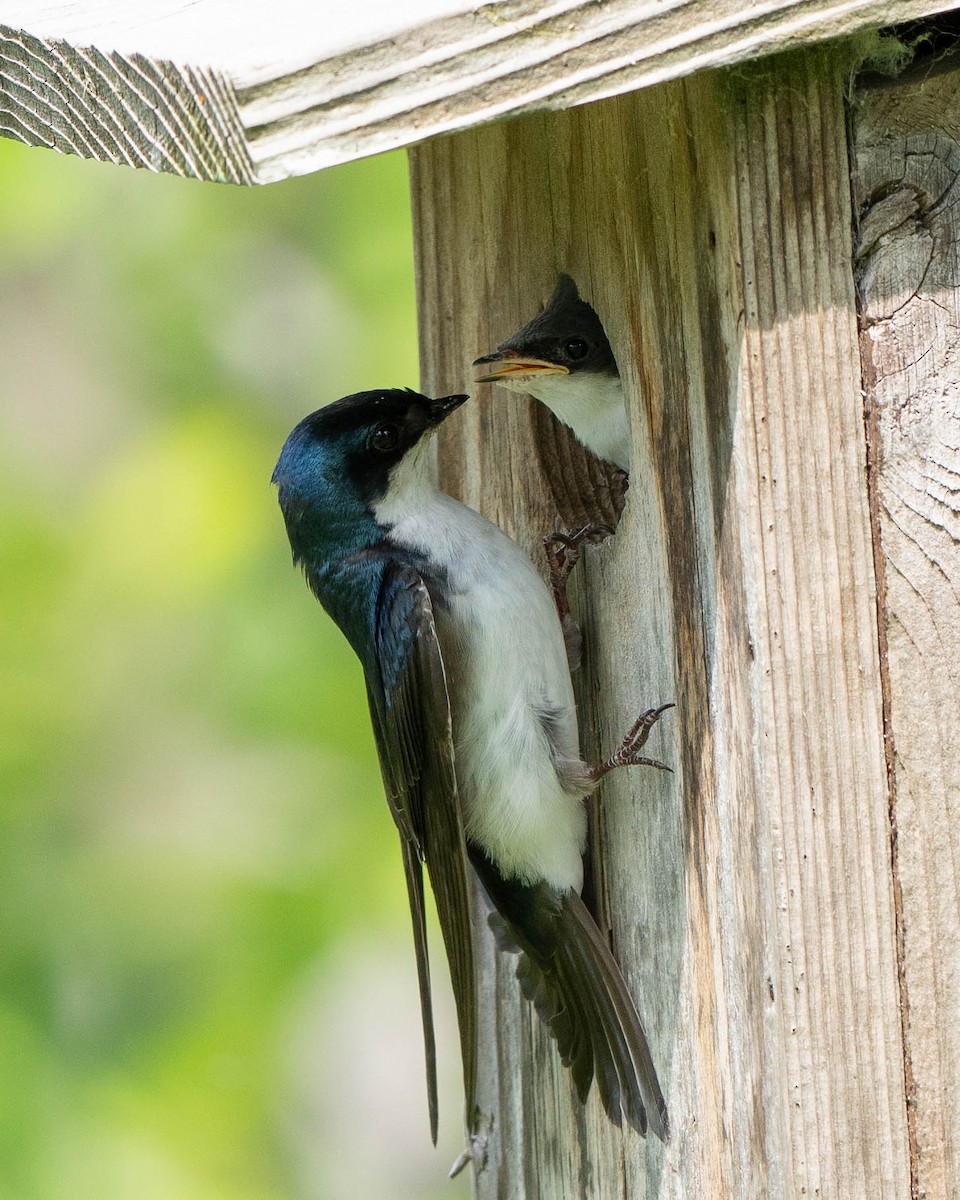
[626, 754]
[475, 1150]
[593, 532]
[563, 553]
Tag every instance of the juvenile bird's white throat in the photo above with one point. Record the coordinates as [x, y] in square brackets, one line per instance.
[591, 404]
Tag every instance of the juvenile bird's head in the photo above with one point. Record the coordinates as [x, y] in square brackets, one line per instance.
[340, 463]
[563, 358]
[565, 339]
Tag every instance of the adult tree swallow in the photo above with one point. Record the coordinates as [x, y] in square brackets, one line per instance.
[476, 728]
[563, 358]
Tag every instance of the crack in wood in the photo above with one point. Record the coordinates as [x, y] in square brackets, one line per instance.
[905, 141]
[873, 454]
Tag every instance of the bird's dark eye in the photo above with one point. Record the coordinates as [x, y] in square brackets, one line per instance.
[384, 438]
[576, 348]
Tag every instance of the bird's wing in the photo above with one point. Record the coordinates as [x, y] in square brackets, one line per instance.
[567, 972]
[412, 724]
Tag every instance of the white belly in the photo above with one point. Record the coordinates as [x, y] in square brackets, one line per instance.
[506, 666]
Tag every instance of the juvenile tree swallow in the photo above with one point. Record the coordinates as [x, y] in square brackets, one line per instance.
[475, 724]
[563, 358]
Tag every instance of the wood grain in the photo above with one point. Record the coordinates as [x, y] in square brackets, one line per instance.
[750, 896]
[256, 91]
[907, 143]
[119, 108]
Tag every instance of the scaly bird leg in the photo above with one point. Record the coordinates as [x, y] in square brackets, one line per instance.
[563, 554]
[628, 752]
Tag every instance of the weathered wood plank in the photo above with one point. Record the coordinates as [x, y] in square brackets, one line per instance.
[288, 87]
[127, 109]
[749, 896]
[907, 142]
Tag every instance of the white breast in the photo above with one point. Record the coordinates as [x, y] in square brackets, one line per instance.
[506, 665]
[592, 405]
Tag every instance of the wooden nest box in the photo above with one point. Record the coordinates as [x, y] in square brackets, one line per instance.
[770, 239]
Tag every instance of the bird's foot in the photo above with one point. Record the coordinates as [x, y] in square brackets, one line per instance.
[564, 550]
[475, 1150]
[628, 752]
[563, 554]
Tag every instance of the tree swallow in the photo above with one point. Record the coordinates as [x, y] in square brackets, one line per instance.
[563, 358]
[475, 724]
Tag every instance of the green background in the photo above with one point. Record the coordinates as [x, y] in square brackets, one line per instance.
[207, 986]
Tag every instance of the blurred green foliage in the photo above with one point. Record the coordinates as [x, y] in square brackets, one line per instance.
[206, 982]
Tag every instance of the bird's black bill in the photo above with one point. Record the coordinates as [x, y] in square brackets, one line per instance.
[442, 408]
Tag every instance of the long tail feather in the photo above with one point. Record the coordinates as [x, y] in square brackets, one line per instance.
[567, 971]
[626, 1034]
[414, 876]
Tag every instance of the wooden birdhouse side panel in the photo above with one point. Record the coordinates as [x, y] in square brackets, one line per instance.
[907, 157]
[750, 896]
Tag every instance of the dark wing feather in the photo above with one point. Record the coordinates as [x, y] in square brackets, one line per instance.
[411, 717]
[567, 971]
